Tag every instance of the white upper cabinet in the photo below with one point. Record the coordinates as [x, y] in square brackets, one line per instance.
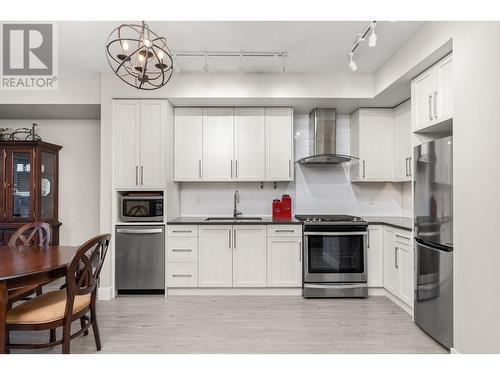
[249, 256]
[249, 144]
[431, 94]
[188, 144]
[279, 144]
[403, 150]
[240, 144]
[218, 135]
[153, 143]
[140, 142]
[372, 140]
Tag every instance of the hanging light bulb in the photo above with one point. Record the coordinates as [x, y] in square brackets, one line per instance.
[125, 46]
[372, 40]
[352, 63]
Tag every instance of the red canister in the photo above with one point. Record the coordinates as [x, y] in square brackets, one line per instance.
[286, 207]
[277, 209]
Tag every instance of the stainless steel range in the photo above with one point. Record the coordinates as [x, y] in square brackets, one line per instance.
[334, 256]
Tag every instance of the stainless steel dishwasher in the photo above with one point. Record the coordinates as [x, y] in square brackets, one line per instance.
[140, 259]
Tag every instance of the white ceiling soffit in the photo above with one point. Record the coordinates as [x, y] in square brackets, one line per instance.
[313, 47]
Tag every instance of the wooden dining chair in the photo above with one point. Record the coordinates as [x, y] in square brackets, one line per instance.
[31, 234]
[60, 308]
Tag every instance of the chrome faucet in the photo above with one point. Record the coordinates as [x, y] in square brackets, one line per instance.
[236, 213]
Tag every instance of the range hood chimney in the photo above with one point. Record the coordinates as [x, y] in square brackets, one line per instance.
[323, 131]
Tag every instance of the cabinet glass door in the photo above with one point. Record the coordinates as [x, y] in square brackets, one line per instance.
[19, 195]
[48, 185]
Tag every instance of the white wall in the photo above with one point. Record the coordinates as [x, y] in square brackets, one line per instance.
[78, 174]
[323, 189]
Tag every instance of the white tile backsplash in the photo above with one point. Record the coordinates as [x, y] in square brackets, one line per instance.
[317, 189]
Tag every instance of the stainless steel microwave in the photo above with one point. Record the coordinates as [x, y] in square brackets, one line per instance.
[141, 208]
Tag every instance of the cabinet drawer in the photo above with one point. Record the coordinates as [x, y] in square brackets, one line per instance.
[182, 249]
[182, 275]
[284, 230]
[403, 237]
[182, 230]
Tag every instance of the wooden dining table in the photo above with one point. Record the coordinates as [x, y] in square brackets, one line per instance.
[27, 265]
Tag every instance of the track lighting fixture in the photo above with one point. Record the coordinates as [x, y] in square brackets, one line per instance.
[352, 63]
[361, 37]
[372, 40]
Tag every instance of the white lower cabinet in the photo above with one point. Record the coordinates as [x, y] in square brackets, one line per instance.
[398, 264]
[284, 261]
[249, 256]
[215, 256]
[182, 275]
[375, 256]
[182, 256]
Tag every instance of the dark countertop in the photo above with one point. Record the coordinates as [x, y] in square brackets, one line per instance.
[197, 220]
[393, 221]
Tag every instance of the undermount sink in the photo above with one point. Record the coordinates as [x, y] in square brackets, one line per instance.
[234, 219]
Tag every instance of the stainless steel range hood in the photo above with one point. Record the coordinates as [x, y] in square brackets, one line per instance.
[323, 131]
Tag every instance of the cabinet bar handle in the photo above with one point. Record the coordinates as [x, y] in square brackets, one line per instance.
[234, 239]
[284, 231]
[430, 106]
[142, 175]
[229, 232]
[435, 104]
[363, 169]
[300, 251]
[199, 169]
[136, 175]
[181, 275]
[289, 168]
[181, 231]
[236, 168]
[406, 167]
[396, 265]
[231, 168]
[182, 250]
[409, 166]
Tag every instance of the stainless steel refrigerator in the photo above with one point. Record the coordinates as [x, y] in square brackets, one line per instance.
[433, 218]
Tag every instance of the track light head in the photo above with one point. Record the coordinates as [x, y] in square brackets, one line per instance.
[352, 63]
[372, 40]
[206, 67]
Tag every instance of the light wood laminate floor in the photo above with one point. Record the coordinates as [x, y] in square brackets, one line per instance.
[153, 324]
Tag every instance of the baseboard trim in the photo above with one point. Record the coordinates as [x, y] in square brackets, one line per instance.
[233, 292]
[454, 351]
[376, 291]
[398, 302]
[105, 294]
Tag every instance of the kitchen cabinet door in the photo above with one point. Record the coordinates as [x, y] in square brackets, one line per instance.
[405, 271]
[249, 256]
[403, 154]
[127, 139]
[215, 256]
[375, 257]
[218, 139]
[390, 258]
[188, 144]
[375, 144]
[279, 144]
[284, 261]
[423, 88]
[153, 144]
[444, 100]
[249, 144]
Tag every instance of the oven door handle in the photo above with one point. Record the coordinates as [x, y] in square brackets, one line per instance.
[334, 233]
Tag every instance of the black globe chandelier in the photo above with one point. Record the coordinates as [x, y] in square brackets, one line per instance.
[139, 57]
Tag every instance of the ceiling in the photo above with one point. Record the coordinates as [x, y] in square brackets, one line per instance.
[313, 47]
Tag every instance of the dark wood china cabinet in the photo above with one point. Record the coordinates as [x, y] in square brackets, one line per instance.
[29, 187]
